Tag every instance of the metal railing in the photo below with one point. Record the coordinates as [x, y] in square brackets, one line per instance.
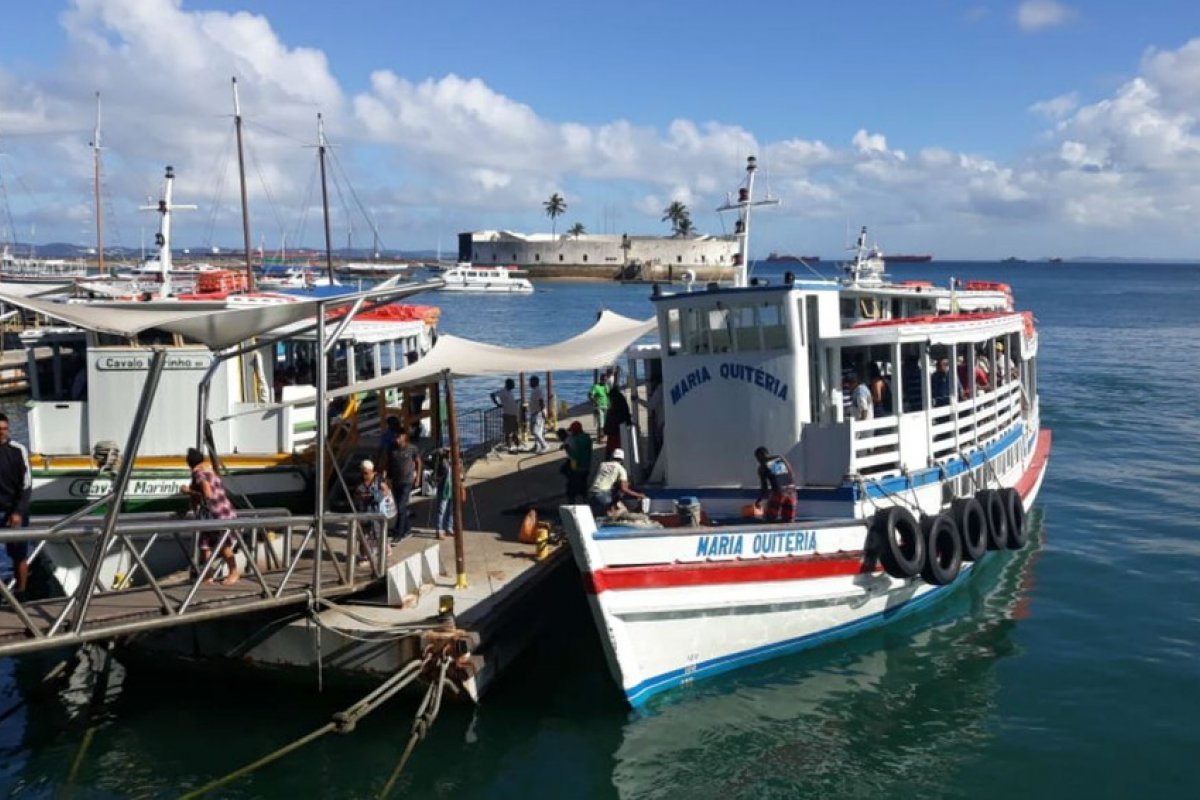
[274, 549]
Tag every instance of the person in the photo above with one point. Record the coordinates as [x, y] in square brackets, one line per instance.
[861, 406]
[776, 485]
[16, 491]
[910, 381]
[537, 408]
[1004, 370]
[618, 414]
[598, 395]
[369, 497]
[579, 461]
[207, 496]
[611, 485]
[444, 492]
[401, 466]
[509, 410]
[939, 383]
[881, 393]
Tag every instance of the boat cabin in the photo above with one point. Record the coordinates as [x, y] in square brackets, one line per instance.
[950, 371]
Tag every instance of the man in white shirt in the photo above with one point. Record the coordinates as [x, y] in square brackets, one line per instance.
[537, 411]
[861, 404]
[509, 410]
[610, 485]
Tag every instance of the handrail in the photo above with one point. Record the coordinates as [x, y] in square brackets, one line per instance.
[342, 542]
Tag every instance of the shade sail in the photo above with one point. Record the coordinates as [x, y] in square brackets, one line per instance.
[595, 348]
[217, 328]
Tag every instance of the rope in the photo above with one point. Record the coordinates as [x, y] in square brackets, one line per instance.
[387, 632]
[426, 714]
[342, 722]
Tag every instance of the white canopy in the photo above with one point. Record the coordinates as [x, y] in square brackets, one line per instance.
[595, 348]
[217, 328]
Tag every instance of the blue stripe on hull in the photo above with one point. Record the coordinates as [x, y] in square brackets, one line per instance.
[642, 692]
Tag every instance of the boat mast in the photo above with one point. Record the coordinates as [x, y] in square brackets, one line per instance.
[741, 230]
[99, 209]
[237, 126]
[324, 197]
[163, 237]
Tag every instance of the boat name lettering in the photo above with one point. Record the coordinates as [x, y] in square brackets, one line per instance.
[759, 377]
[92, 488]
[761, 544]
[689, 382]
[731, 372]
[138, 363]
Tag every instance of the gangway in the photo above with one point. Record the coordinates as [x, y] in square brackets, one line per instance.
[286, 560]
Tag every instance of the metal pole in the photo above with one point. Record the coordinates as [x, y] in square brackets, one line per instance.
[322, 436]
[324, 196]
[522, 411]
[157, 362]
[99, 208]
[456, 479]
[237, 126]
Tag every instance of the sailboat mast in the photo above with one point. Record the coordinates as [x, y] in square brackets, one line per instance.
[99, 208]
[237, 125]
[745, 201]
[324, 197]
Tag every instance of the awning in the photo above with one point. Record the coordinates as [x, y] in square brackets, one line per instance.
[216, 328]
[597, 347]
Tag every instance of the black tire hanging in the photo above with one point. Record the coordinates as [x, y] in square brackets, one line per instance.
[997, 517]
[972, 525]
[1014, 508]
[899, 542]
[943, 550]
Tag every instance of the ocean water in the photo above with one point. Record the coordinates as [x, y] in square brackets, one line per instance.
[1071, 668]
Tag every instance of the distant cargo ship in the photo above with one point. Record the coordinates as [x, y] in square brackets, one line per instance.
[784, 257]
[907, 259]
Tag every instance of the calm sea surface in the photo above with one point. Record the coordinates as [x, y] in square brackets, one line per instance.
[1071, 668]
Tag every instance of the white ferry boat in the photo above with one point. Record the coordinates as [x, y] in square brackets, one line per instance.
[469, 278]
[893, 503]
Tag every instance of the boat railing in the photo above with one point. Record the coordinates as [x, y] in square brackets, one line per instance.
[968, 423]
[285, 559]
[957, 427]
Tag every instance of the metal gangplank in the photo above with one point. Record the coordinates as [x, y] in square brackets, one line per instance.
[284, 560]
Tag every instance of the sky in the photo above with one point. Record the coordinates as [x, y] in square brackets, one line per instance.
[987, 129]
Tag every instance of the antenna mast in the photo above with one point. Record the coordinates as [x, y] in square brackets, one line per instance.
[237, 125]
[99, 209]
[741, 230]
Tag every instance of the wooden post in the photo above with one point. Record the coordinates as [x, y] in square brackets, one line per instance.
[435, 414]
[456, 487]
[551, 404]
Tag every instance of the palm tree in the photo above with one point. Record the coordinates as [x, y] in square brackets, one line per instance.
[555, 207]
[684, 226]
[576, 230]
[674, 213]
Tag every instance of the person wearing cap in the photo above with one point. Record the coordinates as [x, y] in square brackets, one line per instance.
[777, 485]
[578, 445]
[611, 485]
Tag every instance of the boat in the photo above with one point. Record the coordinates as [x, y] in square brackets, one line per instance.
[774, 257]
[465, 277]
[904, 258]
[30, 269]
[373, 269]
[893, 509]
[1012, 260]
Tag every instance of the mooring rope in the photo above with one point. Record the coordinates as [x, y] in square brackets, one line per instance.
[426, 714]
[341, 721]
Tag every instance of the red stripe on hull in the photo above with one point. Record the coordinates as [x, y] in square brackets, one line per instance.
[661, 576]
[1037, 465]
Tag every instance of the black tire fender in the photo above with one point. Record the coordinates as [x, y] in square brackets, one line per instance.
[1014, 508]
[997, 517]
[943, 550]
[972, 523]
[899, 542]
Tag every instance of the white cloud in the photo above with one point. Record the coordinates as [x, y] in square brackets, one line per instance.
[1037, 15]
[453, 153]
[1056, 107]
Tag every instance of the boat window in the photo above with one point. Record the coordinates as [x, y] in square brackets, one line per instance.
[774, 327]
[848, 308]
[719, 329]
[748, 332]
[674, 337]
[695, 336]
[912, 381]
